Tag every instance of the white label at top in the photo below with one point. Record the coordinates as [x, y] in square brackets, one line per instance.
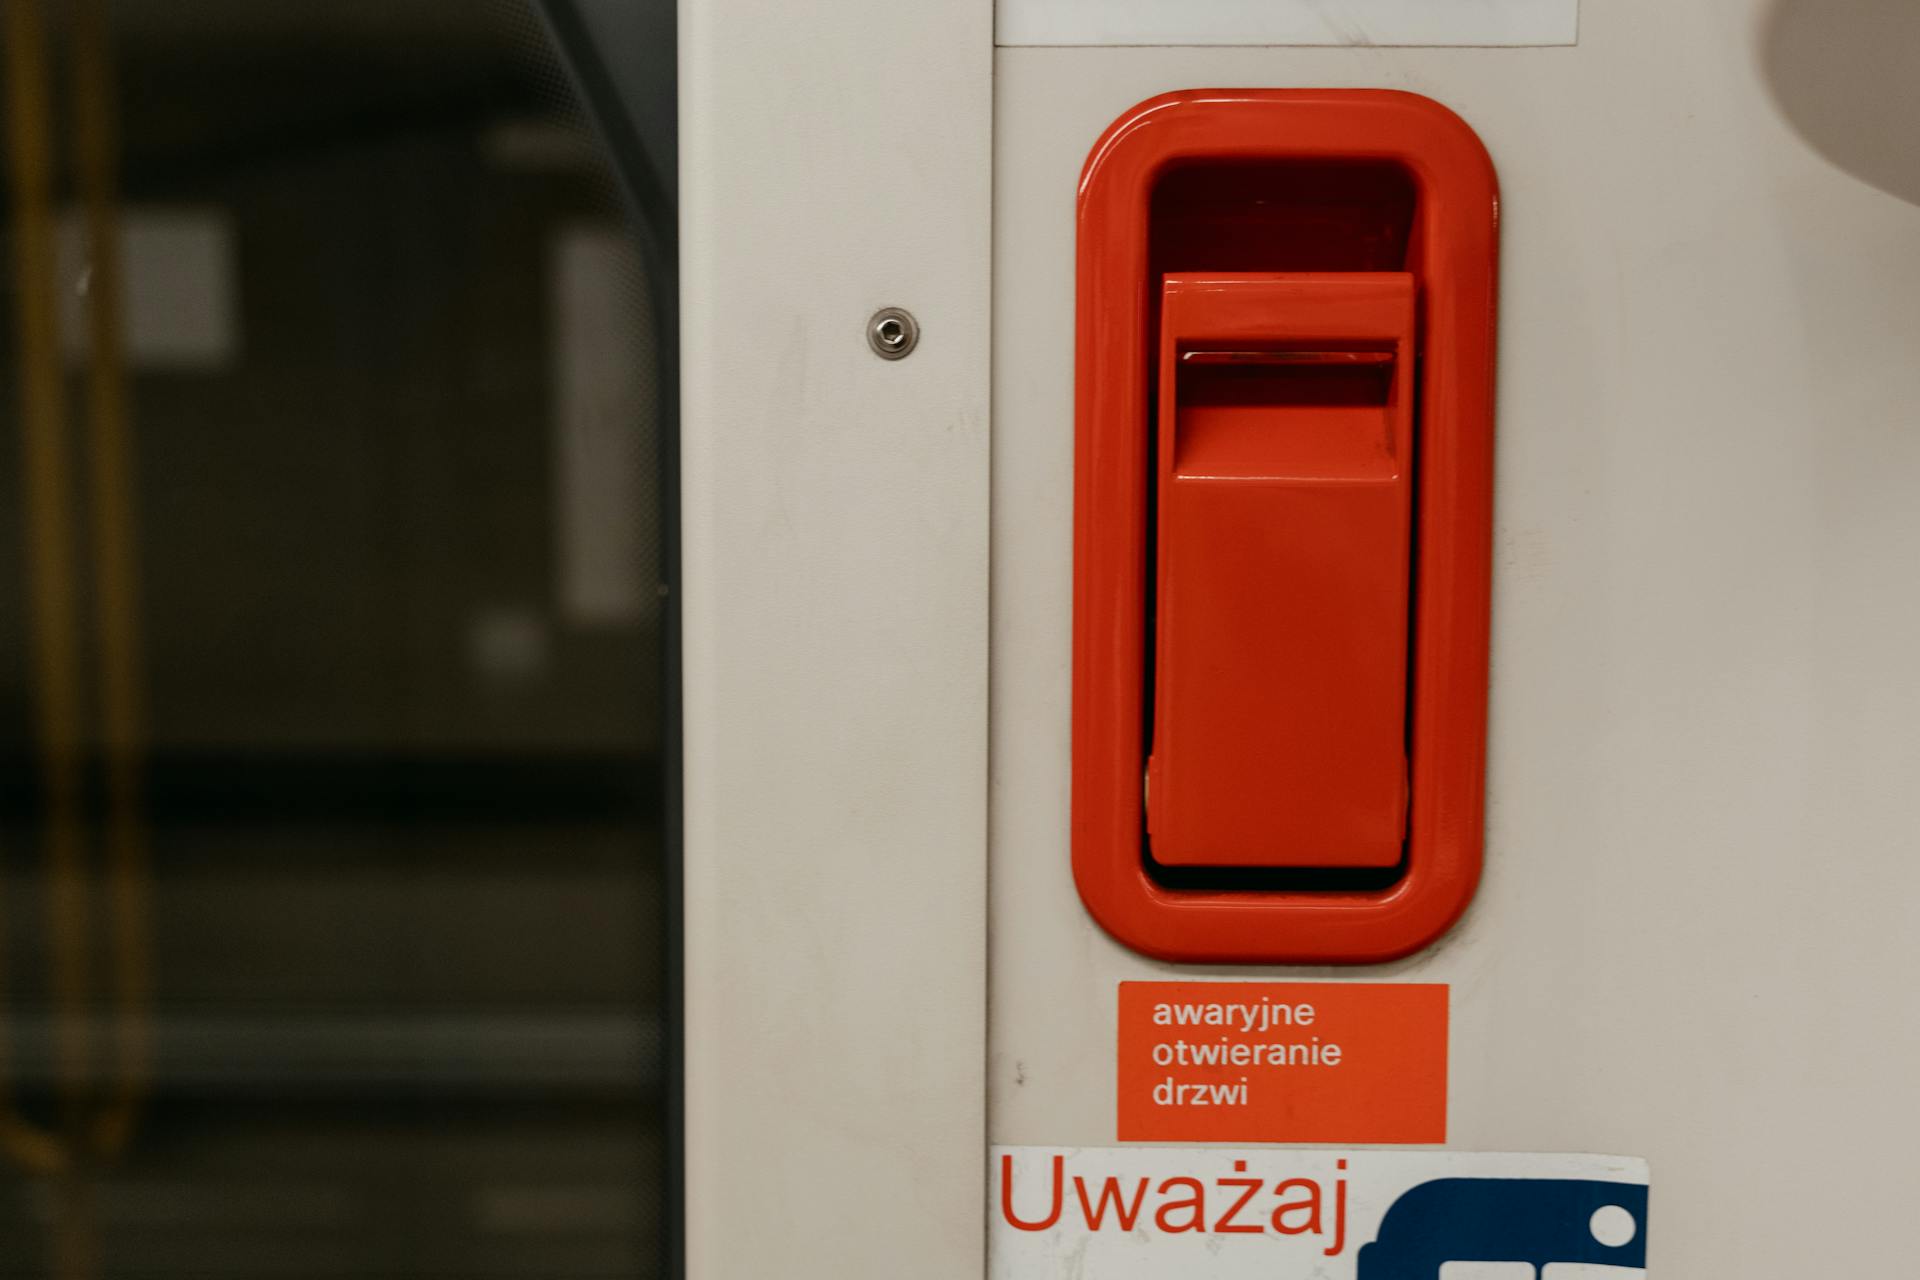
[1298, 22]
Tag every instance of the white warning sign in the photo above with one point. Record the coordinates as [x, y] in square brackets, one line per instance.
[1279, 1213]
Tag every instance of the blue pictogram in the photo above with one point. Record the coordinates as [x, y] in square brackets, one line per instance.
[1533, 1220]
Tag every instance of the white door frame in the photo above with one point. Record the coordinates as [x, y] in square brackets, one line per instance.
[835, 159]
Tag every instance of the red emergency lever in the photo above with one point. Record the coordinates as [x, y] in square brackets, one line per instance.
[1283, 505]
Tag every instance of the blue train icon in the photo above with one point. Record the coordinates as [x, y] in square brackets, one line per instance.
[1533, 1220]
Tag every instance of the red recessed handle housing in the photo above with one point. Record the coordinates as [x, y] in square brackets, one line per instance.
[1282, 524]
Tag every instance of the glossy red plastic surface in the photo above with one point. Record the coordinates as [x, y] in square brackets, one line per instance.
[1283, 504]
[1234, 183]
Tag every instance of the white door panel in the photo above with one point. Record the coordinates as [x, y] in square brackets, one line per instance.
[1694, 939]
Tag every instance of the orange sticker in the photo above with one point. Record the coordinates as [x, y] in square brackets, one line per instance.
[1283, 1062]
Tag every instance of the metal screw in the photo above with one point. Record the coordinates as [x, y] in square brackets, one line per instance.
[892, 333]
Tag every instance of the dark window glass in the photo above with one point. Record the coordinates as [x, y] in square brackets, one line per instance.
[333, 858]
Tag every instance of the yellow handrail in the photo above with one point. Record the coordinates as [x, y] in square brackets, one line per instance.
[51, 587]
[89, 1127]
[93, 1124]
